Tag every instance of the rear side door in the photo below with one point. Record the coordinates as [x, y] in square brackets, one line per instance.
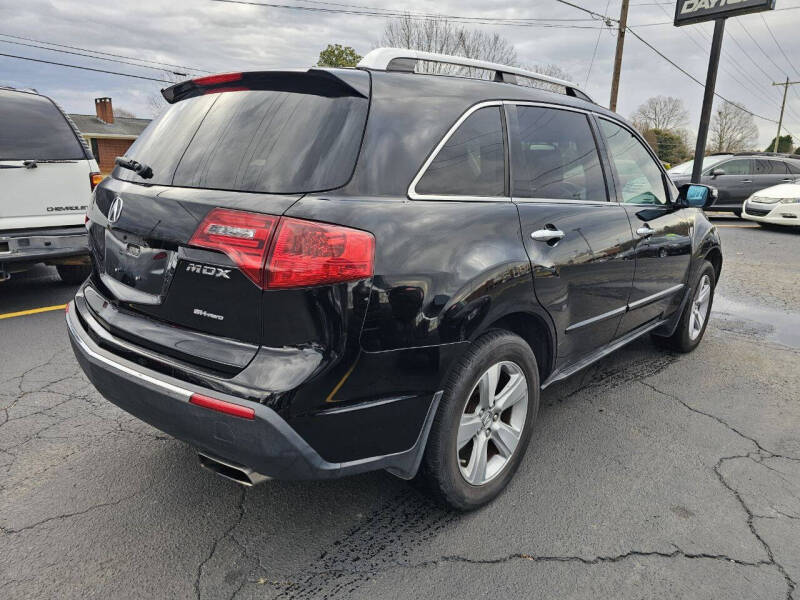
[769, 172]
[44, 170]
[663, 231]
[580, 244]
[735, 185]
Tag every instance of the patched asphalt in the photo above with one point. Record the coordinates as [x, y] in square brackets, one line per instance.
[650, 475]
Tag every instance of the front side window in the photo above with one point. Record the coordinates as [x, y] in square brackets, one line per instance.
[472, 161]
[556, 156]
[639, 176]
[739, 166]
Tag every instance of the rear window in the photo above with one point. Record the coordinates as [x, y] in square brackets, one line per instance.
[32, 128]
[253, 141]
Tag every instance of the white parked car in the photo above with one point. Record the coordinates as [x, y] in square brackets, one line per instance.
[777, 205]
[47, 174]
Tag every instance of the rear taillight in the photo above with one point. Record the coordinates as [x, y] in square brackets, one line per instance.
[243, 236]
[307, 253]
[94, 179]
[303, 253]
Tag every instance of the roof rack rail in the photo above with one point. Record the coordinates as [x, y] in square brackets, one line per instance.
[759, 153]
[405, 60]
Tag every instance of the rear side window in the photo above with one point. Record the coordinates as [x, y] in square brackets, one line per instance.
[794, 168]
[557, 156]
[254, 141]
[32, 128]
[639, 177]
[770, 167]
[472, 161]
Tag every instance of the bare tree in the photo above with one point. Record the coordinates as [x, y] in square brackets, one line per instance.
[155, 101]
[123, 112]
[444, 37]
[733, 129]
[660, 112]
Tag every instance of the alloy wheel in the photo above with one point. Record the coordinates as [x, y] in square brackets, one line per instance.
[700, 307]
[492, 422]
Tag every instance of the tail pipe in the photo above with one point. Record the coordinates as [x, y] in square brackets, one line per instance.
[241, 475]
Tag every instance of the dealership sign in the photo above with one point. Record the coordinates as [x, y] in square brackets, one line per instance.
[695, 11]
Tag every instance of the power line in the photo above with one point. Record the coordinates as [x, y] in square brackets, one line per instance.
[50, 62]
[116, 60]
[385, 13]
[594, 52]
[777, 43]
[152, 62]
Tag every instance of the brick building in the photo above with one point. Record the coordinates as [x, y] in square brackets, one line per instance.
[108, 136]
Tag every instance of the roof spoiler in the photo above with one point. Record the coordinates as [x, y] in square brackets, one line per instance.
[330, 83]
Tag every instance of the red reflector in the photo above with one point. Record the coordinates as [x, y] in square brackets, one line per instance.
[229, 408]
[307, 253]
[243, 236]
[215, 79]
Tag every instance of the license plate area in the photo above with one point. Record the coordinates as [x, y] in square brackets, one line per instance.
[130, 260]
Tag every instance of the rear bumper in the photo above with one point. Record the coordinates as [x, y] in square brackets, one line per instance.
[266, 444]
[43, 245]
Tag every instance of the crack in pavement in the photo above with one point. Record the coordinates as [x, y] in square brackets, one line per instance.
[764, 454]
[226, 533]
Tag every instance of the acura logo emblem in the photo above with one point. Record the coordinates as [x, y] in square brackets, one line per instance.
[116, 210]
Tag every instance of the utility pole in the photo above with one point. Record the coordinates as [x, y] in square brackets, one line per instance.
[783, 106]
[623, 23]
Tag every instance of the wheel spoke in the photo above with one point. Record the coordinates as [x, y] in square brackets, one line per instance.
[505, 439]
[702, 295]
[469, 426]
[513, 391]
[488, 385]
[476, 469]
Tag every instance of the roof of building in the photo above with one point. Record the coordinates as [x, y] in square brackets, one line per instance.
[125, 126]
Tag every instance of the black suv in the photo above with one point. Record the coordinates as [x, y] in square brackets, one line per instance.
[738, 176]
[310, 274]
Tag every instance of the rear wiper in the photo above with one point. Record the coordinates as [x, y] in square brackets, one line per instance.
[141, 169]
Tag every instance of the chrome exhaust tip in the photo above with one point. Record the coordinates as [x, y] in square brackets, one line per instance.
[241, 475]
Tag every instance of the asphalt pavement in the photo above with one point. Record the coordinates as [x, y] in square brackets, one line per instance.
[650, 475]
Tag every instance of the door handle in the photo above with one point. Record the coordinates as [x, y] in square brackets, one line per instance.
[644, 231]
[788, 179]
[547, 234]
[746, 181]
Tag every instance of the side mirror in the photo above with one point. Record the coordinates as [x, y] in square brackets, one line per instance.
[717, 172]
[695, 195]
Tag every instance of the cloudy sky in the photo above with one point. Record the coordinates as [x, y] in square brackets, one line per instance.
[215, 36]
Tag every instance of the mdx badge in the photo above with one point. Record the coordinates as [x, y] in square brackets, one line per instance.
[208, 271]
[115, 210]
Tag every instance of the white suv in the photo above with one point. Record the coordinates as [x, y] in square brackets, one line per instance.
[47, 174]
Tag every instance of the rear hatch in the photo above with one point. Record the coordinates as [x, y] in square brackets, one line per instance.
[188, 246]
[44, 168]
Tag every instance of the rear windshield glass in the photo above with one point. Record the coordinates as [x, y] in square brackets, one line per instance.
[32, 128]
[253, 141]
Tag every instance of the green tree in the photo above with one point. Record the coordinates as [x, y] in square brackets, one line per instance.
[670, 145]
[785, 144]
[336, 55]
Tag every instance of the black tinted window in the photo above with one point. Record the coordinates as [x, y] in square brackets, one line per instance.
[557, 156]
[31, 127]
[472, 162]
[794, 167]
[770, 167]
[255, 141]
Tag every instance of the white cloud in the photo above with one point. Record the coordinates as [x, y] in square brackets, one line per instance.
[223, 37]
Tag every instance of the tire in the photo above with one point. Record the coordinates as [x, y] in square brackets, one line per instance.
[687, 335]
[444, 470]
[738, 213]
[74, 274]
